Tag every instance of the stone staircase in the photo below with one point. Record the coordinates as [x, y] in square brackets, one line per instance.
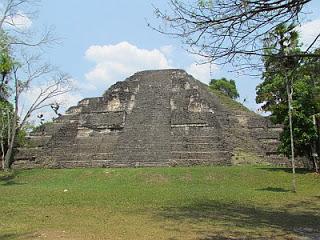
[146, 139]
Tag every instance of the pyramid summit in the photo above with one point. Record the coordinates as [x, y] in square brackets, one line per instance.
[153, 118]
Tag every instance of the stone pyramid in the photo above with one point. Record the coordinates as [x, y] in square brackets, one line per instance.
[153, 118]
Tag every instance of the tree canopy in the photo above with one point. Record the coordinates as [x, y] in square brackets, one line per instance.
[21, 69]
[226, 30]
[301, 76]
[227, 87]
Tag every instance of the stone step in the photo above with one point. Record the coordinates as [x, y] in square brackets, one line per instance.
[196, 140]
[192, 146]
[192, 162]
[200, 155]
[98, 147]
[29, 153]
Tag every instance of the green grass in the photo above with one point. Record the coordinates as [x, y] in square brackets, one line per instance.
[230, 103]
[246, 202]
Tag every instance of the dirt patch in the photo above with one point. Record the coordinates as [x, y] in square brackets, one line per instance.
[154, 178]
[211, 177]
[44, 234]
[242, 156]
[187, 177]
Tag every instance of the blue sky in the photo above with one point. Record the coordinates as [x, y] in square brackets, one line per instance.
[105, 41]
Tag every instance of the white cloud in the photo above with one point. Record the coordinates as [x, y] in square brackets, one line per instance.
[69, 99]
[116, 62]
[65, 101]
[200, 69]
[202, 72]
[308, 31]
[82, 86]
[20, 21]
[167, 50]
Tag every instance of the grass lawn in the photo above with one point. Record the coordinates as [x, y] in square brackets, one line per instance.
[204, 203]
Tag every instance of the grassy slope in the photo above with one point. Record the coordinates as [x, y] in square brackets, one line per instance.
[159, 203]
[231, 104]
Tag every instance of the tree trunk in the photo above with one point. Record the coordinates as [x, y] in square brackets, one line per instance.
[316, 146]
[8, 159]
[2, 130]
[316, 166]
[289, 92]
[2, 154]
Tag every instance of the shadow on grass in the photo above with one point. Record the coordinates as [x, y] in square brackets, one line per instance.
[274, 189]
[12, 236]
[287, 170]
[250, 222]
[240, 236]
[8, 179]
[8, 236]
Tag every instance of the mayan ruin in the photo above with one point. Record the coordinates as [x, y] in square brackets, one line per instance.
[153, 118]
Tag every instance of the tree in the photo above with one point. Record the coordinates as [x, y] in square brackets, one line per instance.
[280, 64]
[227, 87]
[6, 65]
[21, 69]
[311, 95]
[229, 30]
[289, 92]
[5, 120]
[6, 116]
